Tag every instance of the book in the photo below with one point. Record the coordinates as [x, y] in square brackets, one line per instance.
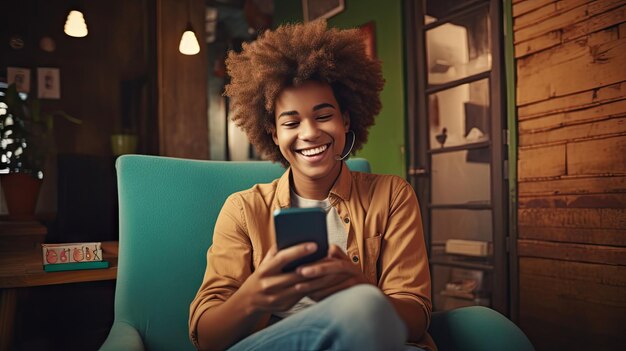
[75, 266]
[464, 288]
[466, 284]
[71, 252]
[469, 247]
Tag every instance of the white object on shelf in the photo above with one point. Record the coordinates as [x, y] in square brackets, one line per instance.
[468, 247]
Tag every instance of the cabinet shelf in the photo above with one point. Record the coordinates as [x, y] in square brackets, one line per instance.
[468, 146]
[467, 262]
[454, 76]
[435, 88]
[465, 206]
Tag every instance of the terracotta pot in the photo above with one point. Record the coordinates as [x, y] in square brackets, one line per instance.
[21, 191]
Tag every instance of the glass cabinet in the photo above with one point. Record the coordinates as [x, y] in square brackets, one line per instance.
[457, 147]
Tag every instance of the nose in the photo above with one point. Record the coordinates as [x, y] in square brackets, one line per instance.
[309, 130]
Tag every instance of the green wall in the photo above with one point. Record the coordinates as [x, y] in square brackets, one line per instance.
[385, 146]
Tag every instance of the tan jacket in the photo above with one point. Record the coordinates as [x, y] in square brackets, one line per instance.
[385, 237]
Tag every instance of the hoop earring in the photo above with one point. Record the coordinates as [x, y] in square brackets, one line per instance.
[339, 157]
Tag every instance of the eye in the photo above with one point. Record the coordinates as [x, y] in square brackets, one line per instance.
[290, 124]
[324, 117]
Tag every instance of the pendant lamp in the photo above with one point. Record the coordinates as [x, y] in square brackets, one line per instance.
[188, 42]
[75, 25]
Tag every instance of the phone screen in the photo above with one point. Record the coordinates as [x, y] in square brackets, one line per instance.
[299, 225]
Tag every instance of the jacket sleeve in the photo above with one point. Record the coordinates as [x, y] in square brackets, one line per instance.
[229, 262]
[404, 270]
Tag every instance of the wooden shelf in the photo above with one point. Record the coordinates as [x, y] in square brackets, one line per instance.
[467, 262]
[461, 147]
[25, 268]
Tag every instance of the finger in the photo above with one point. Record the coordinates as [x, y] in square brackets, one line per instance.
[335, 251]
[286, 299]
[289, 254]
[326, 292]
[276, 283]
[280, 301]
[321, 283]
[270, 253]
[325, 267]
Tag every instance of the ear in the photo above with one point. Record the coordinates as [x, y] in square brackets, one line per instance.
[346, 121]
[275, 136]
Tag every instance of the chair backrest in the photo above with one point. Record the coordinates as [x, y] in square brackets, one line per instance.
[168, 209]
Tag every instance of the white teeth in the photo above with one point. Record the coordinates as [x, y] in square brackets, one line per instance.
[314, 151]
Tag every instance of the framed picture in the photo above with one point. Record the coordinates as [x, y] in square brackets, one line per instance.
[369, 31]
[21, 78]
[48, 83]
[316, 9]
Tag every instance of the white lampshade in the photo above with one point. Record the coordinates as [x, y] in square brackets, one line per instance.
[189, 43]
[75, 25]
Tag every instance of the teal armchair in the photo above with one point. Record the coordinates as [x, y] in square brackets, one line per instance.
[168, 208]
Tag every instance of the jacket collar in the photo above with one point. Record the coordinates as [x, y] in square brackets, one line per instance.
[341, 188]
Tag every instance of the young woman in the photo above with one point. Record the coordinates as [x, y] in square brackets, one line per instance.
[306, 96]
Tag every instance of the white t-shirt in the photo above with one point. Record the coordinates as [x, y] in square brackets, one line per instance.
[336, 235]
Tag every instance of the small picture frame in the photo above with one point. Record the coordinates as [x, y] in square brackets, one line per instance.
[369, 31]
[317, 9]
[48, 83]
[21, 77]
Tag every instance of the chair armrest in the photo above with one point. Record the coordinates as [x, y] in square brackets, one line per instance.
[476, 328]
[123, 336]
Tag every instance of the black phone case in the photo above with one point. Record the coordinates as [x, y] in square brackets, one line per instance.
[298, 225]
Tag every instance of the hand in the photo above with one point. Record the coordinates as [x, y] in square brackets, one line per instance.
[269, 289]
[330, 275]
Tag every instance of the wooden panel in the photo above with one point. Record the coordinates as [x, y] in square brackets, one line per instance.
[600, 218]
[571, 32]
[612, 237]
[183, 121]
[571, 95]
[568, 13]
[574, 201]
[537, 44]
[546, 12]
[571, 305]
[536, 16]
[590, 114]
[603, 156]
[541, 162]
[609, 127]
[572, 252]
[522, 7]
[574, 102]
[549, 73]
[605, 20]
[574, 185]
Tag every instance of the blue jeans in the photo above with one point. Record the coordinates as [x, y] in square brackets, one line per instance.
[359, 318]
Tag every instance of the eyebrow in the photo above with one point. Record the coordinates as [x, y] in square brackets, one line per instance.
[315, 108]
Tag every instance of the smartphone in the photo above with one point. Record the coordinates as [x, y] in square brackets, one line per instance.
[299, 225]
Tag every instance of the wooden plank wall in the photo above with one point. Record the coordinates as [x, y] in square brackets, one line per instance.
[182, 82]
[571, 105]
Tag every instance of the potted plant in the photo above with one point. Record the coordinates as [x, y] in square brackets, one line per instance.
[26, 139]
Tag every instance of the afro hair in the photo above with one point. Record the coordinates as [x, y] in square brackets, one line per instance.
[291, 55]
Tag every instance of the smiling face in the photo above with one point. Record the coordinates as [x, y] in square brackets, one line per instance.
[310, 132]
